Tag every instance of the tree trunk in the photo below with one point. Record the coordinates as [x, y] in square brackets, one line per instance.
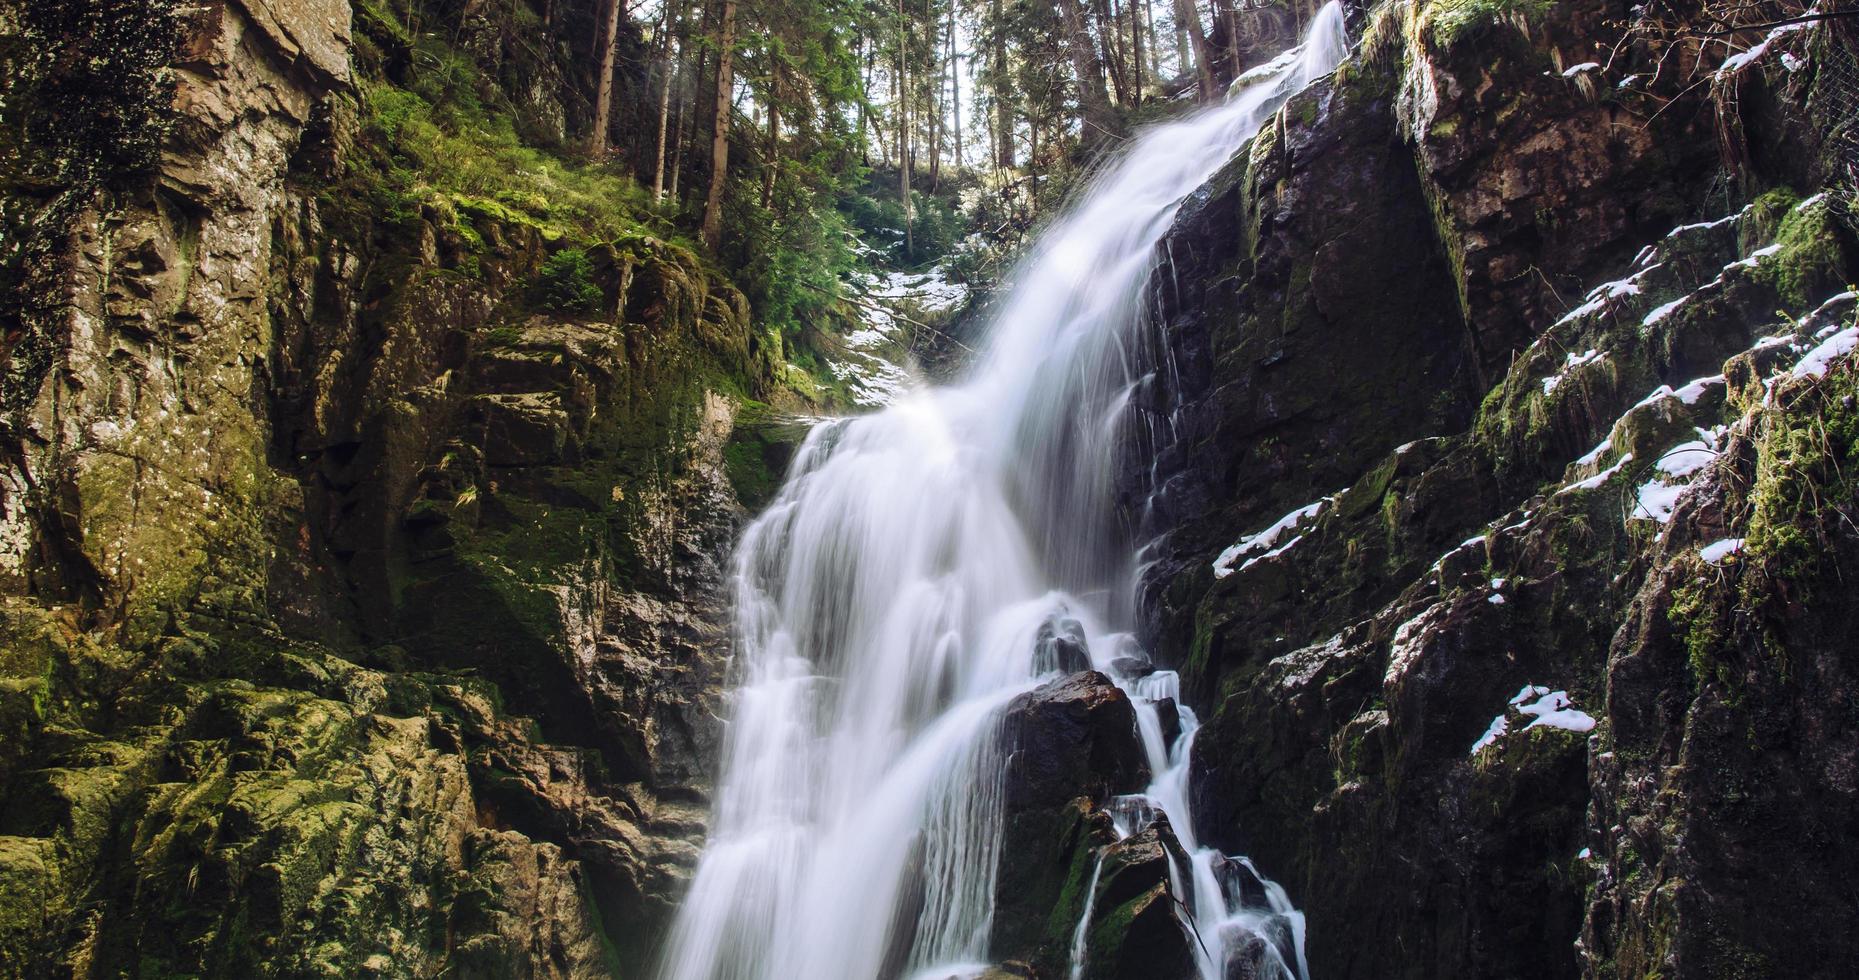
[1032, 163]
[669, 64]
[939, 125]
[771, 166]
[955, 82]
[603, 98]
[719, 142]
[1225, 11]
[903, 125]
[1187, 17]
[1106, 43]
[1136, 52]
[1155, 47]
[869, 55]
[1003, 105]
[1099, 121]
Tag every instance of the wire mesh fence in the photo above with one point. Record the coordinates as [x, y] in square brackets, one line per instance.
[1836, 99]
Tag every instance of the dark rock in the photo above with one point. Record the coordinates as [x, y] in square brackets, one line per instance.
[1073, 736]
[1140, 939]
[1072, 743]
[1130, 668]
[1168, 715]
[1061, 646]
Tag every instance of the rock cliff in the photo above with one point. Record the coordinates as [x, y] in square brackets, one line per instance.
[361, 536]
[1501, 521]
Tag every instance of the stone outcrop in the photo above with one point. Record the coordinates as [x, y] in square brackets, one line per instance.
[1500, 665]
[364, 612]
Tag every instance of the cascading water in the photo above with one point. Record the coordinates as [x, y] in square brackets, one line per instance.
[890, 600]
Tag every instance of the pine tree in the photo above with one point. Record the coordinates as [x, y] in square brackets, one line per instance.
[719, 140]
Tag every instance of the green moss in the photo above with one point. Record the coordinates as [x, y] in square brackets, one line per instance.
[1448, 22]
[1811, 262]
[1700, 612]
[1805, 463]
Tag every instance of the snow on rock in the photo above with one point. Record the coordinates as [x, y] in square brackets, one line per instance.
[1662, 312]
[1496, 599]
[1553, 709]
[1594, 455]
[1755, 258]
[875, 382]
[1815, 364]
[873, 378]
[1689, 394]
[1657, 500]
[1598, 296]
[1597, 479]
[1585, 66]
[1544, 707]
[1499, 726]
[1706, 225]
[1574, 361]
[1686, 458]
[1715, 552]
[1264, 544]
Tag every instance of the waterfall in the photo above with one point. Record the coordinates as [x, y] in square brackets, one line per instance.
[890, 600]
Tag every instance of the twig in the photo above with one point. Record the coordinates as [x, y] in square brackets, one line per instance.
[1804, 19]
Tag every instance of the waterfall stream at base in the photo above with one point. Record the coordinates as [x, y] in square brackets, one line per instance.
[890, 601]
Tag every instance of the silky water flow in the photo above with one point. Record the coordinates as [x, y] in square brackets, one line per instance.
[890, 600]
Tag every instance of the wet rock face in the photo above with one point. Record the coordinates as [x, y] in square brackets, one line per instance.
[1073, 736]
[1072, 744]
[359, 621]
[1485, 663]
[1322, 233]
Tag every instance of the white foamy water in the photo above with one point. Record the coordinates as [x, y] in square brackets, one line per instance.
[890, 600]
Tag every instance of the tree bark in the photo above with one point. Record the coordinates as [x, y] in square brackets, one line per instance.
[719, 141]
[939, 124]
[603, 97]
[1107, 42]
[1003, 105]
[1093, 98]
[1136, 52]
[869, 55]
[669, 63]
[1225, 11]
[1187, 17]
[771, 166]
[903, 125]
[955, 82]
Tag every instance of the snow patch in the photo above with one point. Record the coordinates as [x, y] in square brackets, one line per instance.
[1818, 360]
[1545, 707]
[1686, 458]
[1554, 710]
[1715, 552]
[1737, 62]
[1266, 541]
[1755, 258]
[1574, 361]
[1689, 394]
[1499, 726]
[1594, 455]
[1657, 500]
[1662, 312]
[1597, 479]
